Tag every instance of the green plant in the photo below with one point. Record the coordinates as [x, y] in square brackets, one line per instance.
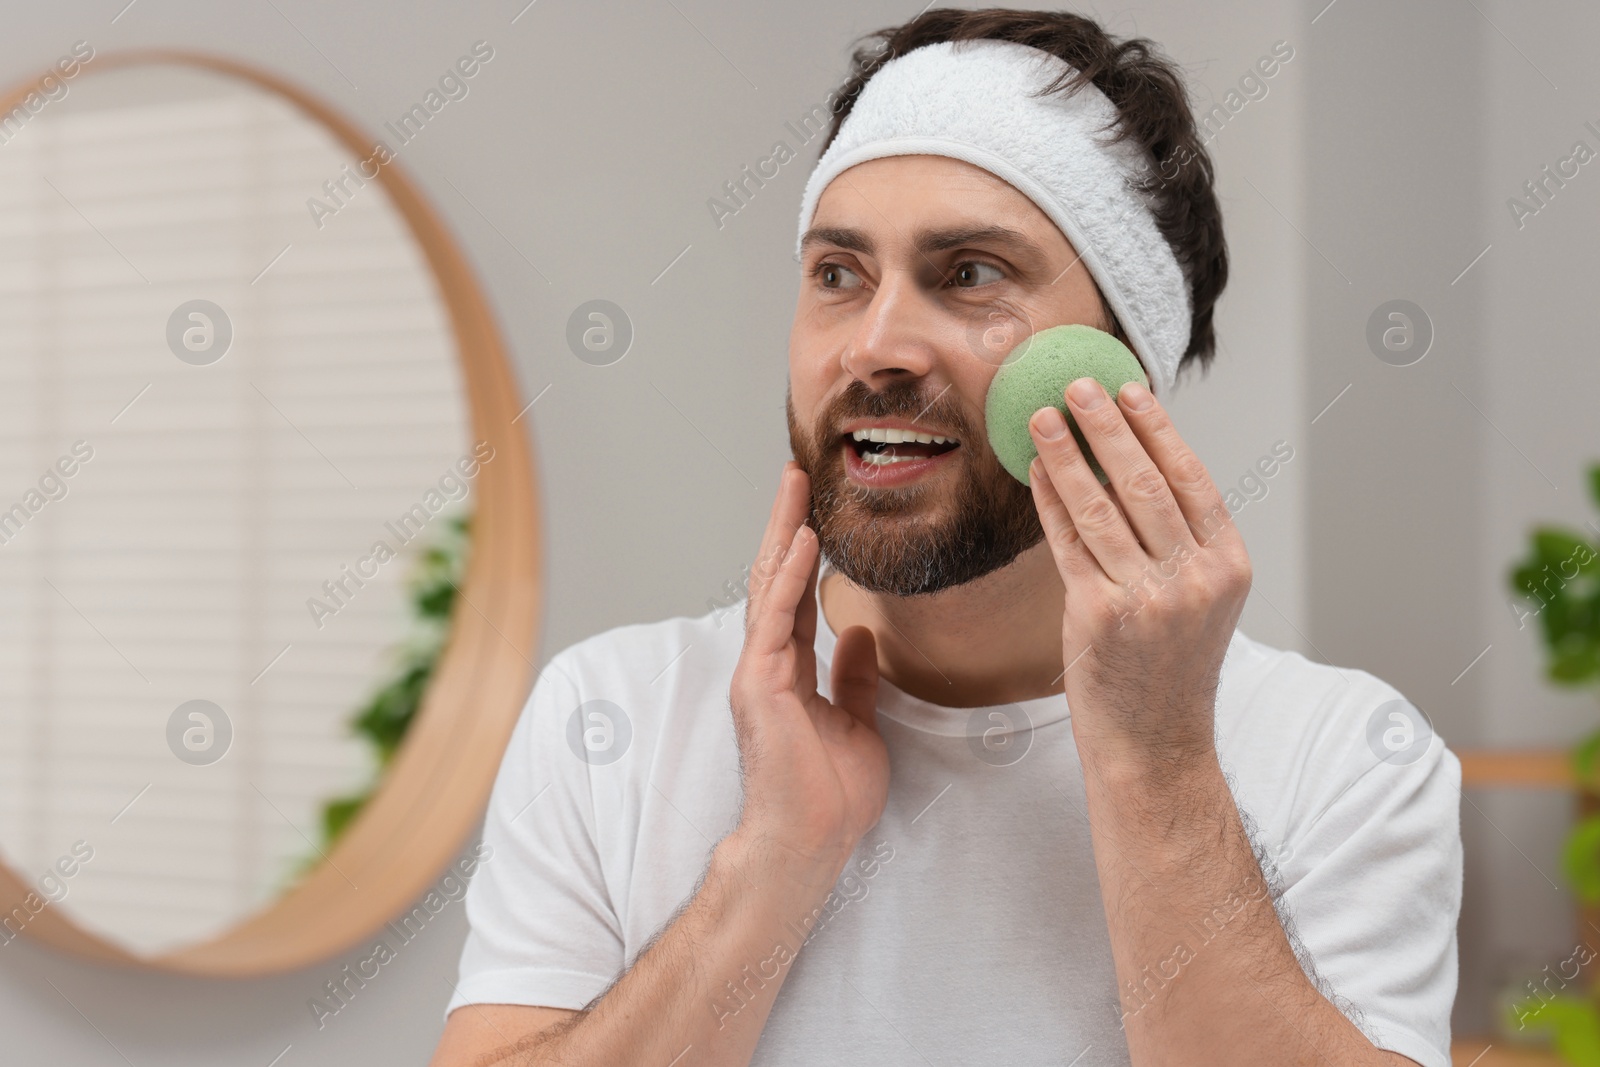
[1560, 580]
[436, 576]
[1573, 1024]
[1561, 577]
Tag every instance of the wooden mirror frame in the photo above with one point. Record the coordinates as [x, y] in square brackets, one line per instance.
[438, 783]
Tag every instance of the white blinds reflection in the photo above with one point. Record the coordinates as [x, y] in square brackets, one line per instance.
[177, 561]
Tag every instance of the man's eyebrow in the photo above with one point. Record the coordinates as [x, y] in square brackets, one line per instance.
[941, 240]
[843, 236]
[930, 240]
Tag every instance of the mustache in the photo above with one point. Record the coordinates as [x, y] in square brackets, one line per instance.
[902, 400]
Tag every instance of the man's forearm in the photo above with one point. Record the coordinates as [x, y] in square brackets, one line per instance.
[1205, 971]
[705, 985]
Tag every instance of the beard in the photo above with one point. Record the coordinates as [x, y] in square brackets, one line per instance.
[910, 541]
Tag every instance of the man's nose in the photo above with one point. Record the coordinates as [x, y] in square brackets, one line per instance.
[896, 335]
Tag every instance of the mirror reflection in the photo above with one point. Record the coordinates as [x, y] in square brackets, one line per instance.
[236, 475]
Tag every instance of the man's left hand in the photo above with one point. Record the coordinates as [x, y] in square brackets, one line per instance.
[1156, 575]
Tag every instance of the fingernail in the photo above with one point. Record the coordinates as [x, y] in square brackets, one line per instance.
[1050, 423]
[1088, 392]
[1135, 396]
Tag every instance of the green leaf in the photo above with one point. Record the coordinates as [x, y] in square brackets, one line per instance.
[385, 720]
[435, 602]
[1574, 1022]
[1584, 756]
[1559, 578]
[1564, 551]
[1580, 859]
[387, 715]
[1524, 579]
[1594, 484]
[1567, 629]
[1578, 667]
[338, 814]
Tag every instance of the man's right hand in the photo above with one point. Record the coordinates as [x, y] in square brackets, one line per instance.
[816, 777]
[816, 772]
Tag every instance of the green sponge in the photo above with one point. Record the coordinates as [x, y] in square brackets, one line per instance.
[1035, 375]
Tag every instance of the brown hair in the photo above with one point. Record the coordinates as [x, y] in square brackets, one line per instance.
[1148, 93]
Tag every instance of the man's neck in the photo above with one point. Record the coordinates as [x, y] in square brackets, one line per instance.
[993, 641]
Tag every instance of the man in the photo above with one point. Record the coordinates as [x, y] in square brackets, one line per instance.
[987, 774]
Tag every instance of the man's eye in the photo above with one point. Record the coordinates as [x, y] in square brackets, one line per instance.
[966, 274]
[833, 275]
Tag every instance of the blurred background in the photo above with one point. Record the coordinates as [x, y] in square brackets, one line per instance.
[1375, 174]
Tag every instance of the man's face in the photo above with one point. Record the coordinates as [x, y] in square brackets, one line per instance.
[906, 311]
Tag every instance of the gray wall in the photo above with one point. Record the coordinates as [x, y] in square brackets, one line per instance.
[1540, 377]
[579, 167]
[1423, 120]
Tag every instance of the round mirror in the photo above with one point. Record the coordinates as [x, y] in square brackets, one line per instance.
[268, 544]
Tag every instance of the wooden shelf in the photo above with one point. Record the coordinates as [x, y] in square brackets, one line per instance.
[1539, 768]
[1483, 1052]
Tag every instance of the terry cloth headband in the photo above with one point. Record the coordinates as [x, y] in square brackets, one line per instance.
[972, 103]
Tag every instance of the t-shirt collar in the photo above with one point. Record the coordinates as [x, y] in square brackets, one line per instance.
[919, 714]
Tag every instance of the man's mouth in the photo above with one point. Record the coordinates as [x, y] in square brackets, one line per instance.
[885, 446]
[886, 456]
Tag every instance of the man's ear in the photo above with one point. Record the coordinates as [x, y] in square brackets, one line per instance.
[1114, 328]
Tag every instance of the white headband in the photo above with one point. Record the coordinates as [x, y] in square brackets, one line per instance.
[972, 103]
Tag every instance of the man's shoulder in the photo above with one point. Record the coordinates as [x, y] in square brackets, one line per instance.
[631, 689]
[1291, 724]
[659, 656]
[1294, 689]
[1278, 704]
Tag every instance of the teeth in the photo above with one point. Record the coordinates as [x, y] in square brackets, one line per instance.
[885, 435]
[884, 459]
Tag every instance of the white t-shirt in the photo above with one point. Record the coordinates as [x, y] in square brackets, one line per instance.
[968, 927]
